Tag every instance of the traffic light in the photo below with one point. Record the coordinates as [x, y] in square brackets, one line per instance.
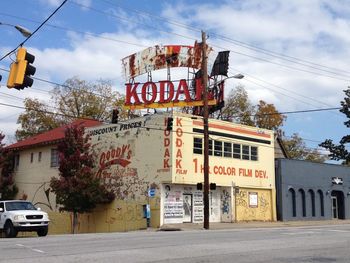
[21, 70]
[115, 116]
[212, 186]
[169, 125]
[199, 186]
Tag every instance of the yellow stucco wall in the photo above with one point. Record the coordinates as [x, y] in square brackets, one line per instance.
[33, 178]
[118, 216]
[263, 211]
[146, 156]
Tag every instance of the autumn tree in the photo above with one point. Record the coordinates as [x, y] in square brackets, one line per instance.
[74, 99]
[267, 116]
[36, 119]
[238, 108]
[8, 189]
[77, 189]
[297, 149]
[339, 152]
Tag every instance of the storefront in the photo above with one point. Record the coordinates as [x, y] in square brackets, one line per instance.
[144, 162]
[312, 191]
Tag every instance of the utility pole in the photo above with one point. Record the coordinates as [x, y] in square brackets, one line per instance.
[205, 130]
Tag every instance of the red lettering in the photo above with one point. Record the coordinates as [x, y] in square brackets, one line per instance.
[178, 142]
[131, 92]
[170, 91]
[182, 89]
[166, 142]
[179, 153]
[166, 153]
[178, 122]
[166, 163]
[179, 132]
[199, 89]
[178, 164]
[145, 93]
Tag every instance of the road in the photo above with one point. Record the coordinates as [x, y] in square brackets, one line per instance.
[283, 244]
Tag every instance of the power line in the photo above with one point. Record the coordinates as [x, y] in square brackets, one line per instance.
[129, 20]
[43, 23]
[75, 31]
[236, 42]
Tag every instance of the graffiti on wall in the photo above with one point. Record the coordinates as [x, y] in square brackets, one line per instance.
[225, 202]
[43, 190]
[261, 212]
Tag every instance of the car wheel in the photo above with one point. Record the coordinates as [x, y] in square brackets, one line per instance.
[42, 231]
[9, 230]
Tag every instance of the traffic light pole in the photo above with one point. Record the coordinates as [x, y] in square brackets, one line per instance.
[205, 131]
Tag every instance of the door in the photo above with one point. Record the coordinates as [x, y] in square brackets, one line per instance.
[187, 199]
[335, 207]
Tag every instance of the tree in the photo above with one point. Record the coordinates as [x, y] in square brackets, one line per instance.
[297, 149]
[339, 152]
[8, 189]
[77, 189]
[74, 99]
[268, 117]
[36, 119]
[238, 108]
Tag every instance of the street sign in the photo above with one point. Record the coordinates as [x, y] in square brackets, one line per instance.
[151, 192]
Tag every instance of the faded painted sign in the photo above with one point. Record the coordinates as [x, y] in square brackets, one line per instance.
[160, 57]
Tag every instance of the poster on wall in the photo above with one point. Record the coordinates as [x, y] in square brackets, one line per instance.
[253, 199]
[198, 207]
[173, 206]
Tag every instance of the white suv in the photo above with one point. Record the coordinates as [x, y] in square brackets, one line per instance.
[18, 215]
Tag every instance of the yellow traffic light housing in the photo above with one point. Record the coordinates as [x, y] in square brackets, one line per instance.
[21, 70]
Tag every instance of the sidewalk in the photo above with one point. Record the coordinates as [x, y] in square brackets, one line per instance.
[240, 225]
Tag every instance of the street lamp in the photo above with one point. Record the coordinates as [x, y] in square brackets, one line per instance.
[25, 32]
[206, 130]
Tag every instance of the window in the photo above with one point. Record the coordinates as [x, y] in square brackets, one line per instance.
[236, 151]
[39, 157]
[253, 153]
[54, 158]
[227, 149]
[197, 145]
[16, 161]
[31, 157]
[217, 148]
[210, 148]
[245, 152]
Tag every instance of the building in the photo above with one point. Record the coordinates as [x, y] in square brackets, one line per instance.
[312, 191]
[144, 162]
[156, 173]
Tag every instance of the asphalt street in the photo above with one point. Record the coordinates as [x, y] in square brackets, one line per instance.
[327, 243]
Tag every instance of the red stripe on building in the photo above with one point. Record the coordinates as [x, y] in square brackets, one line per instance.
[232, 129]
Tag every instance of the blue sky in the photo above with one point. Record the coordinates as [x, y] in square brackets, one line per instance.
[88, 39]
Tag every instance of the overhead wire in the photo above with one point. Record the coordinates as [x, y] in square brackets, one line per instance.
[86, 6]
[36, 30]
[234, 41]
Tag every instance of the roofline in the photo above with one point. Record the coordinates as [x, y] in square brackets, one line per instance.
[34, 145]
[283, 148]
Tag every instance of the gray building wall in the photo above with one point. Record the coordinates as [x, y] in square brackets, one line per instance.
[304, 190]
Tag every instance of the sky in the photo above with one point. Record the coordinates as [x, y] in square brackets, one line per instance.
[294, 54]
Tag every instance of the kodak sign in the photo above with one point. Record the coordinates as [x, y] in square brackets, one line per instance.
[164, 94]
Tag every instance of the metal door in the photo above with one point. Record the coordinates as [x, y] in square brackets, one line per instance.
[187, 199]
[334, 207]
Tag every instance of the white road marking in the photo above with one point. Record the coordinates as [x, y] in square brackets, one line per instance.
[342, 231]
[32, 249]
[38, 250]
[299, 233]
